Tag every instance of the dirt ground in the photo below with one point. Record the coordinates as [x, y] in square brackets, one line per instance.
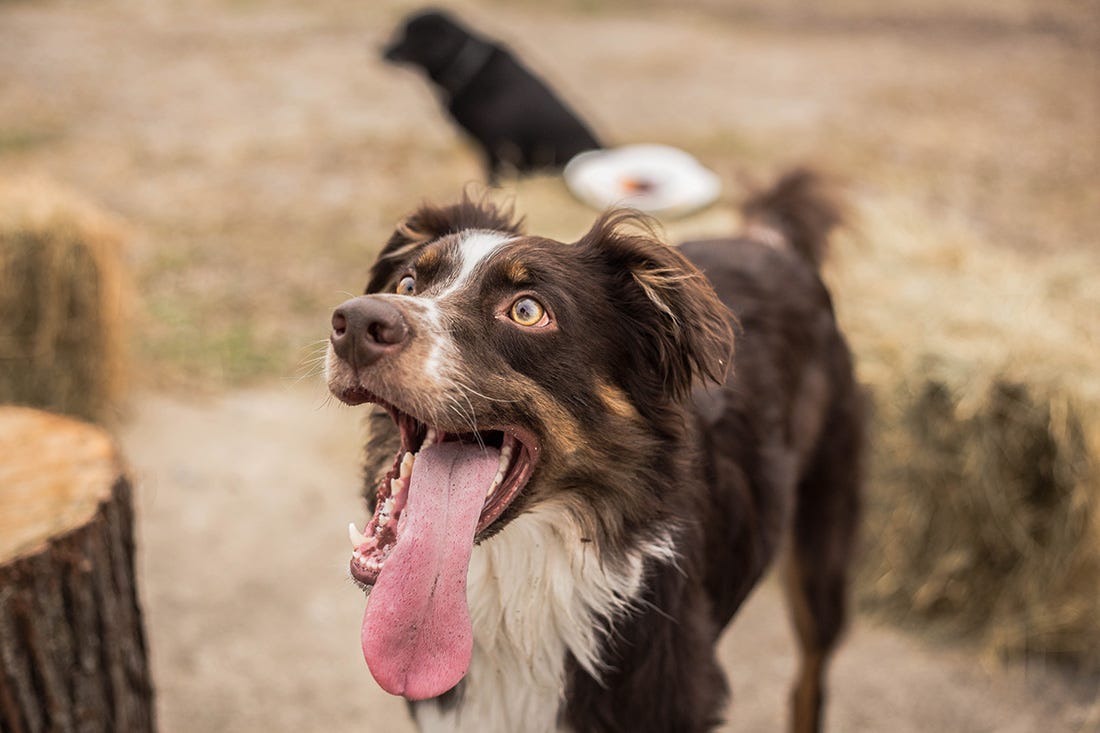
[260, 152]
[254, 626]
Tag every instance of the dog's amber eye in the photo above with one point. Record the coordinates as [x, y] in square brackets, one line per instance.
[407, 285]
[528, 312]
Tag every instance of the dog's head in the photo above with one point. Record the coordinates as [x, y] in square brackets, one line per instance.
[430, 39]
[517, 369]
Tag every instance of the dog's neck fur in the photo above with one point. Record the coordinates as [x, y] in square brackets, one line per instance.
[537, 593]
[470, 59]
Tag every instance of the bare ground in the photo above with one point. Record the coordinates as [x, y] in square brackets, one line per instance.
[243, 502]
[262, 150]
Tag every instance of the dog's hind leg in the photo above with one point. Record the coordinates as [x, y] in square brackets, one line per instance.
[820, 551]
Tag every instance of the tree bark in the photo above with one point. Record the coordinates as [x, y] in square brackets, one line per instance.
[72, 645]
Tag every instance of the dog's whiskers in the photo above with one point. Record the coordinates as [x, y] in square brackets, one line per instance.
[312, 366]
[465, 414]
[466, 387]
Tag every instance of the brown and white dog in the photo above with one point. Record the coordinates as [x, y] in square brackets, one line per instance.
[580, 484]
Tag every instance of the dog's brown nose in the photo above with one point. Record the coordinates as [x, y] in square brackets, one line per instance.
[365, 329]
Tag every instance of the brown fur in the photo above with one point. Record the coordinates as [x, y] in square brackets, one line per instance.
[645, 430]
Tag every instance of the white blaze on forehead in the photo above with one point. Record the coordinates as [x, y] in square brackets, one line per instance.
[432, 330]
[441, 362]
[474, 248]
[442, 351]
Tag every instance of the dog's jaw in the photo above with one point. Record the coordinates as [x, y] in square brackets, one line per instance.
[518, 455]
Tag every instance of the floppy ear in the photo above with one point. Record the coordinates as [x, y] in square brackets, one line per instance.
[429, 223]
[679, 331]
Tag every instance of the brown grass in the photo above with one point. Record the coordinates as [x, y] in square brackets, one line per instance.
[984, 494]
[61, 302]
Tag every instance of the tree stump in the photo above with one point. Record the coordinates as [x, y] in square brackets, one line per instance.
[72, 646]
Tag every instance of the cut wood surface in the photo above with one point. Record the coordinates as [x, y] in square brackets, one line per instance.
[72, 645]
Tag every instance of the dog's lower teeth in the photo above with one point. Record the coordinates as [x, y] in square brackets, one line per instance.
[502, 470]
[407, 465]
[497, 481]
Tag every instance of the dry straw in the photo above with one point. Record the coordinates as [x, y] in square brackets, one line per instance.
[61, 301]
[984, 492]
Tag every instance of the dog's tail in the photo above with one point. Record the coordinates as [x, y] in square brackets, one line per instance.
[800, 210]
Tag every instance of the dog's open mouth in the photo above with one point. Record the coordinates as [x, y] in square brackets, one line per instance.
[444, 489]
[510, 451]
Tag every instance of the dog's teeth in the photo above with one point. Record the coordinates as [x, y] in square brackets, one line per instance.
[429, 439]
[396, 486]
[387, 507]
[497, 481]
[502, 467]
[407, 465]
[357, 538]
[505, 458]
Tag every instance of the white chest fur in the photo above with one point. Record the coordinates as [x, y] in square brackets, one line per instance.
[536, 591]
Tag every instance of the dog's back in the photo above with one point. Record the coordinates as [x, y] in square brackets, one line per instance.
[783, 440]
[518, 118]
[778, 456]
[514, 116]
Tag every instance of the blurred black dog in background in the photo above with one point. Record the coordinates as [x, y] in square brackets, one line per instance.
[518, 122]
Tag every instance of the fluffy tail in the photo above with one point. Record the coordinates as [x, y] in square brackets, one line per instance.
[801, 209]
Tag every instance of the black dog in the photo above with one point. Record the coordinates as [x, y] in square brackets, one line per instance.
[518, 122]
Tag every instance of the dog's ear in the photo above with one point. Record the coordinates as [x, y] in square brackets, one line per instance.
[429, 223]
[677, 330]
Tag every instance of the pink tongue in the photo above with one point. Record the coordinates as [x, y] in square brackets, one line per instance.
[417, 638]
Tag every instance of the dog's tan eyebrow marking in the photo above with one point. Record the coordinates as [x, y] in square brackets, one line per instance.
[429, 259]
[517, 272]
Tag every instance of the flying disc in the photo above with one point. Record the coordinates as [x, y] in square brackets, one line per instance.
[656, 179]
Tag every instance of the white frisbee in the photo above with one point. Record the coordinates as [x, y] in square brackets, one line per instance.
[656, 179]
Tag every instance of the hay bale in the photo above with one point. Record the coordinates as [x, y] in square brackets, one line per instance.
[983, 512]
[61, 302]
[985, 518]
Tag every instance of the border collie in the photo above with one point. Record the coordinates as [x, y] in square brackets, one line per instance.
[513, 115]
[574, 482]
